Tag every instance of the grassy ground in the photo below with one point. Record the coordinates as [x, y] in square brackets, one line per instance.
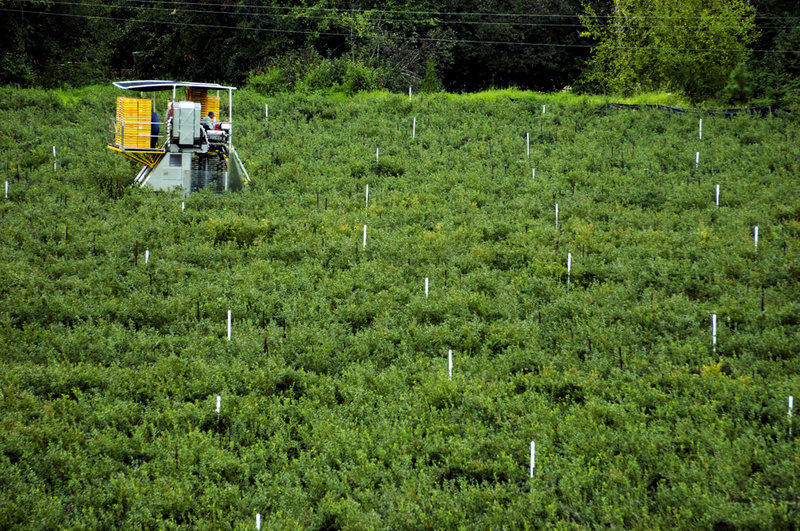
[337, 409]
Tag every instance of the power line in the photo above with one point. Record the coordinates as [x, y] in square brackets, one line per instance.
[430, 13]
[333, 18]
[303, 14]
[394, 37]
[299, 32]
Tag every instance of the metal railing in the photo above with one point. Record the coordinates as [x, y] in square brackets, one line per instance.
[137, 135]
[128, 135]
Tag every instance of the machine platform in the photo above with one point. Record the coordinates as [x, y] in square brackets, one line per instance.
[191, 148]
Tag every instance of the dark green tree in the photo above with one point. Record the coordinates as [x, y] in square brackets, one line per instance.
[531, 44]
[690, 46]
[776, 62]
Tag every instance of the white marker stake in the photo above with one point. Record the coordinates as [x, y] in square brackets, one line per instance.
[755, 236]
[6, 189]
[258, 521]
[556, 216]
[266, 111]
[183, 206]
[528, 144]
[533, 173]
[219, 403]
[414, 128]
[543, 109]
[700, 130]
[409, 93]
[789, 413]
[146, 255]
[569, 265]
[366, 196]
[450, 364]
[714, 332]
[229, 325]
[377, 153]
[54, 158]
[533, 456]
[426, 287]
[697, 160]
[716, 195]
[365, 236]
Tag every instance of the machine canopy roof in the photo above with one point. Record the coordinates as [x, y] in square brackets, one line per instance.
[154, 85]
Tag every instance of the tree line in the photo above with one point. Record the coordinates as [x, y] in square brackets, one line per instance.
[728, 50]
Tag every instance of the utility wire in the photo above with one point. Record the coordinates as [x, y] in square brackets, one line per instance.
[404, 12]
[275, 30]
[299, 14]
[393, 37]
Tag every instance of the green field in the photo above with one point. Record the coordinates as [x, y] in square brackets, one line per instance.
[336, 406]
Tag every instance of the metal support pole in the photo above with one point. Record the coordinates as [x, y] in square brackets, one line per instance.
[230, 116]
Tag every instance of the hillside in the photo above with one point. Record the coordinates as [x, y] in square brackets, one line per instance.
[336, 406]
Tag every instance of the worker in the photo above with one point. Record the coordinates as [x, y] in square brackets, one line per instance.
[155, 128]
[208, 122]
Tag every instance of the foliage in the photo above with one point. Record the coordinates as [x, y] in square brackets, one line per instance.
[56, 44]
[740, 85]
[530, 44]
[269, 82]
[430, 83]
[360, 77]
[337, 410]
[776, 64]
[688, 46]
[309, 73]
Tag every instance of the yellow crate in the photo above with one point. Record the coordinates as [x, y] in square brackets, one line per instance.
[212, 105]
[207, 103]
[135, 114]
[198, 96]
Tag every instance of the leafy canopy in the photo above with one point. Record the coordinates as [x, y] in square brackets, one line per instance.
[690, 46]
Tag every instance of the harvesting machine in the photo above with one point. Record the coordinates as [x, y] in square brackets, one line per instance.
[189, 149]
